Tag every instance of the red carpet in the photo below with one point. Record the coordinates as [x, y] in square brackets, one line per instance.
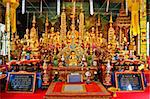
[40, 93]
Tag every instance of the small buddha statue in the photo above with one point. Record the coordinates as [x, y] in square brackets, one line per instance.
[87, 38]
[92, 34]
[73, 60]
[52, 34]
[100, 39]
[57, 39]
[26, 37]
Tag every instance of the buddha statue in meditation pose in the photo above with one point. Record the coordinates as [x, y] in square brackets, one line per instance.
[73, 60]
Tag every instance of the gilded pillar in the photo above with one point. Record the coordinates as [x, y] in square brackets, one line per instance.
[10, 19]
[63, 24]
[143, 34]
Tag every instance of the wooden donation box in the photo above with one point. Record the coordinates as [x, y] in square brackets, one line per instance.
[129, 81]
[21, 82]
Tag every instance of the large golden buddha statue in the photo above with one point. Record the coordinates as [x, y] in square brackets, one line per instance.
[73, 60]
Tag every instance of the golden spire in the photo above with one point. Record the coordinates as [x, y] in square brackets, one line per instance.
[81, 7]
[63, 7]
[33, 21]
[63, 23]
[46, 24]
[111, 21]
[122, 5]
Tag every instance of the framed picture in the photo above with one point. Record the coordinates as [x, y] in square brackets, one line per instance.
[129, 81]
[21, 82]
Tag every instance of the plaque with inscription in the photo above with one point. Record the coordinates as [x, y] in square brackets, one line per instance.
[74, 78]
[129, 81]
[21, 82]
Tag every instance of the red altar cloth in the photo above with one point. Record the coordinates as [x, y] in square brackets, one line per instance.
[92, 87]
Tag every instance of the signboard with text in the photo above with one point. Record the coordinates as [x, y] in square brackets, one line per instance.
[129, 81]
[21, 82]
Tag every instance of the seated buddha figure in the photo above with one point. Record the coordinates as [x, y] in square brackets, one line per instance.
[87, 38]
[100, 39]
[73, 60]
[56, 39]
[72, 35]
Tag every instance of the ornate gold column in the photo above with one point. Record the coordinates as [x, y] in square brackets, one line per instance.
[10, 19]
[143, 38]
[14, 5]
[63, 24]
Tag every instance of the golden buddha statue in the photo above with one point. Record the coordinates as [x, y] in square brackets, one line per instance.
[73, 60]
[100, 39]
[33, 36]
[93, 37]
[51, 35]
[87, 38]
[43, 40]
[72, 35]
[26, 37]
[57, 38]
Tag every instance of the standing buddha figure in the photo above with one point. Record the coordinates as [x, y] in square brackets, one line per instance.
[26, 37]
[93, 39]
[52, 34]
[100, 39]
